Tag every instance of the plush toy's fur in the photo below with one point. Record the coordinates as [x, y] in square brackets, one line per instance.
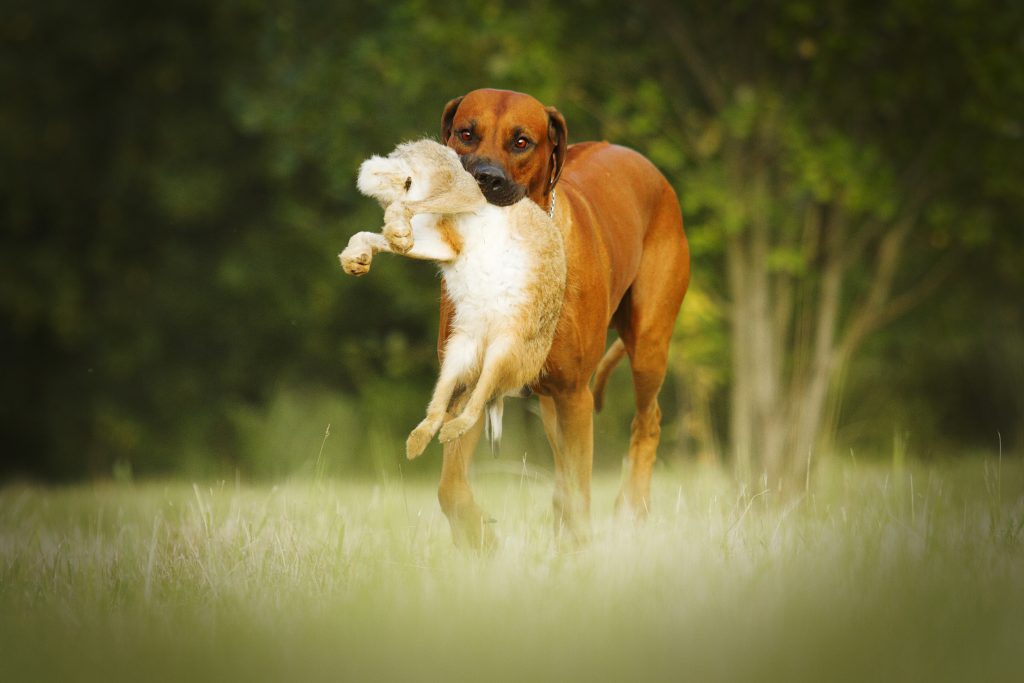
[504, 270]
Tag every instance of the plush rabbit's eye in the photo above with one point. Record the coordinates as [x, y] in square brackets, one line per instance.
[408, 184]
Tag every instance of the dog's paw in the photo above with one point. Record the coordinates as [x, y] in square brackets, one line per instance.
[355, 260]
[419, 438]
[455, 428]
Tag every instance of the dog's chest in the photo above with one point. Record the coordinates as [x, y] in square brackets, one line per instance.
[489, 279]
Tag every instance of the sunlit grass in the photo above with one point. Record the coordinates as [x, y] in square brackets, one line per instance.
[877, 573]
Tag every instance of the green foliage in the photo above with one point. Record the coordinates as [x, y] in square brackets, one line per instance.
[177, 180]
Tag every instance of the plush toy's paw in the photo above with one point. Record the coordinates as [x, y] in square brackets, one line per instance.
[398, 227]
[419, 438]
[399, 237]
[355, 260]
[455, 428]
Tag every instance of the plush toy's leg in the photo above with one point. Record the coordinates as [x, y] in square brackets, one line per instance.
[358, 255]
[495, 368]
[398, 227]
[459, 359]
[452, 201]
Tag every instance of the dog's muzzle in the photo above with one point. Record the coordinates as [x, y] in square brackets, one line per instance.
[497, 187]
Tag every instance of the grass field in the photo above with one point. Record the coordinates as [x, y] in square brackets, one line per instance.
[878, 573]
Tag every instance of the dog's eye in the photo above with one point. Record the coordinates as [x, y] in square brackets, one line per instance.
[408, 184]
[521, 142]
[465, 135]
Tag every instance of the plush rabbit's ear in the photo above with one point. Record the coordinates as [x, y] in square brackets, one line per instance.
[382, 178]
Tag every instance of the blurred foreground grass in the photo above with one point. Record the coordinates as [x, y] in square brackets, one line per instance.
[907, 572]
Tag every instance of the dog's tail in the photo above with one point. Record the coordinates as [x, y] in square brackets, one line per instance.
[492, 423]
[611, 358]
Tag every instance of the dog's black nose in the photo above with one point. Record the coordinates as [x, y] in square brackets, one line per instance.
[490, 178]
[497, 186]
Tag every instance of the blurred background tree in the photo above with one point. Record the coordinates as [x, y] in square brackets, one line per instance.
[178, 179]
[828, 147]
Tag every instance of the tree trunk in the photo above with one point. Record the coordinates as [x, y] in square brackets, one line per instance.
[758, 413]
[741, 428]
[809, 403]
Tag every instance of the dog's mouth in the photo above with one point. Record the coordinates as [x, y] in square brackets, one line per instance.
[495, 184]
[506, 197]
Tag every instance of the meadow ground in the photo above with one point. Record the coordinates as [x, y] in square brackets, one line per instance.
[913, 572]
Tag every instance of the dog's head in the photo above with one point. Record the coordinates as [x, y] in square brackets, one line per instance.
[512, 144]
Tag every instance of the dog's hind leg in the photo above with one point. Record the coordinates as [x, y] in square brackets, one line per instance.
[645, 321]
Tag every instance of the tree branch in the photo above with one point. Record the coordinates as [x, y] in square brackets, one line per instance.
[867, 315]
[684, 45]
[900, 305]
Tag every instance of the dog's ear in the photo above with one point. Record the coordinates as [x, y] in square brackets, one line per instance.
[447, 117]
[558, 133]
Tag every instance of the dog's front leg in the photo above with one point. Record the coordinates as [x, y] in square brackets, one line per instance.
[572, 425]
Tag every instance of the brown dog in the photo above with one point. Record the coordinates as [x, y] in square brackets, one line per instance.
[628, 267]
